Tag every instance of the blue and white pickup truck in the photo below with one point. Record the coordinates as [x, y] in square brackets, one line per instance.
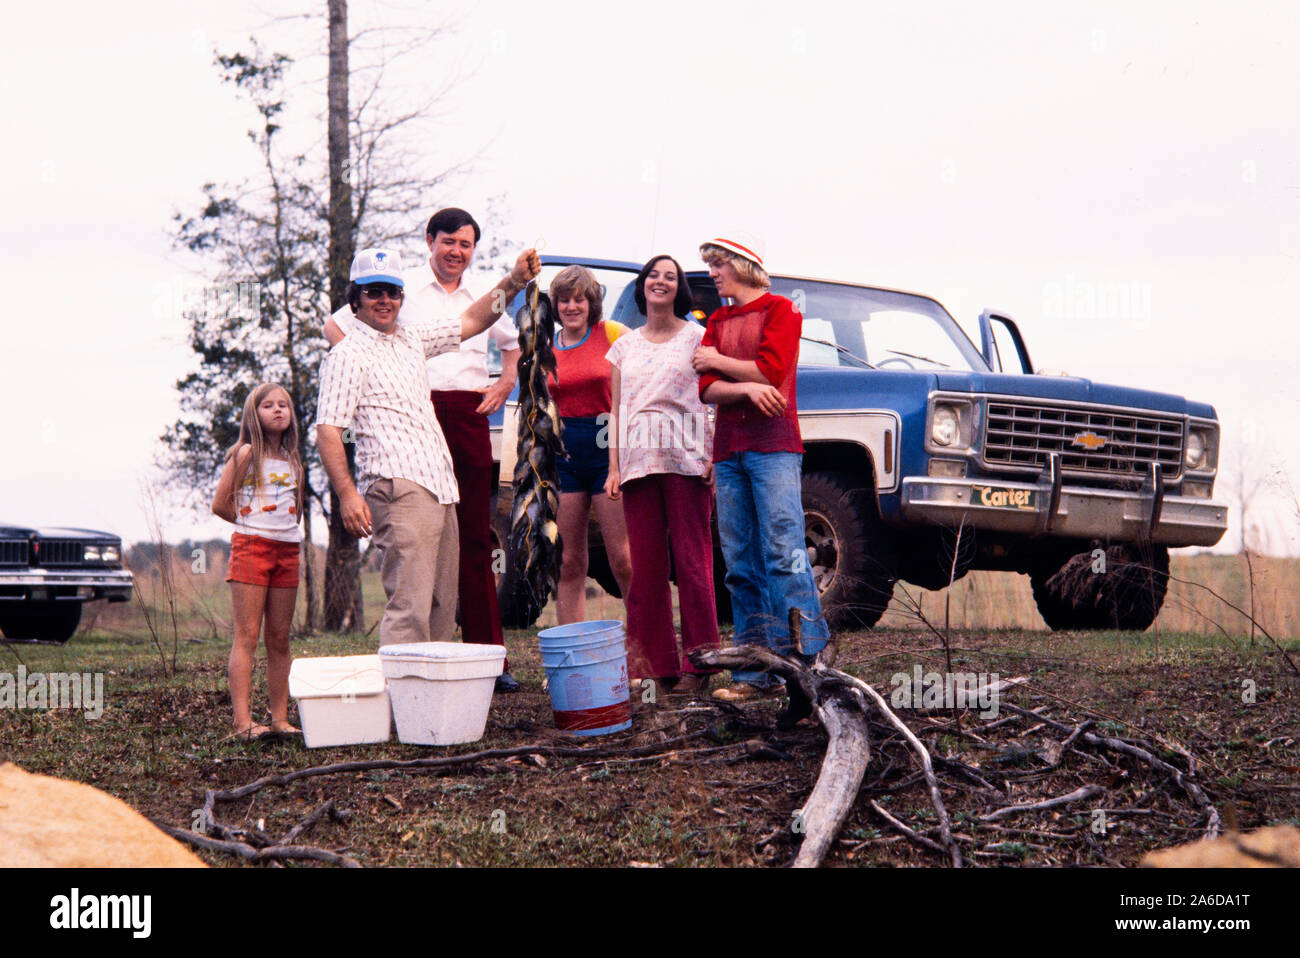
[46, 574]
[927, 456]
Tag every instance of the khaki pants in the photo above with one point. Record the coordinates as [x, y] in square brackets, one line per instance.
[421, 547]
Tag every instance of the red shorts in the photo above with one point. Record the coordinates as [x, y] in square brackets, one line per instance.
[258, 561]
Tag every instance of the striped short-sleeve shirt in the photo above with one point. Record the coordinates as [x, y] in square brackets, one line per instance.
[376, 383]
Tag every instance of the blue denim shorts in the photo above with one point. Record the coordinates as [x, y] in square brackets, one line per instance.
[586, 467]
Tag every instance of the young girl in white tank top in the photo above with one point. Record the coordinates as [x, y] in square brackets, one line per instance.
[260, 491]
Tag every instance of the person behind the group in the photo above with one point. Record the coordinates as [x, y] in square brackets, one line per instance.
[260, 491]
[661, 465]
[463, 397]
[747, 362]
[582, 397]
[405, 494]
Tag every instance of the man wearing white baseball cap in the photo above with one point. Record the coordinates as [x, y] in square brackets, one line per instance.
[746, 363]
[374, 380]
[463, 397]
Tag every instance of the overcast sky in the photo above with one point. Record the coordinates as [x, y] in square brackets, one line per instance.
[1016, 155]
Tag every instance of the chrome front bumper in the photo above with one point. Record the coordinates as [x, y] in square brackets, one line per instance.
[1077, 512]
[37, 584]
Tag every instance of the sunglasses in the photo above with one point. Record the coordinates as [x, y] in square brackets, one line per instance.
[376, 290]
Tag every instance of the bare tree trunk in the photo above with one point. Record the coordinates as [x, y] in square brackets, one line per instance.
[343, 608]
[309, 564]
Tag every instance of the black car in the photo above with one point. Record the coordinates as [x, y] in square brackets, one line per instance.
[46, 574]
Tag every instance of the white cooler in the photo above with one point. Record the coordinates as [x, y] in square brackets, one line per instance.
[342, 700]
[441, 691]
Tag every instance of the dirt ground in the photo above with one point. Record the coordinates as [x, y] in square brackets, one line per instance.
[715, 785]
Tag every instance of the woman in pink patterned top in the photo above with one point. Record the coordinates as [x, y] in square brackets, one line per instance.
[661, 465]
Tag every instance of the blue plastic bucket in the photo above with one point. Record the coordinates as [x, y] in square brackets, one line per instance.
[586, 674]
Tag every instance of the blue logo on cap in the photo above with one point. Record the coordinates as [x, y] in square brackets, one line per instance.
[380, 257]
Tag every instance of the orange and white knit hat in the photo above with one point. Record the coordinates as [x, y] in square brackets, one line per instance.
[745, 245]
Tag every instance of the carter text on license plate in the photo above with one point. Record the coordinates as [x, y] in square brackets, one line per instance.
[1005, 498]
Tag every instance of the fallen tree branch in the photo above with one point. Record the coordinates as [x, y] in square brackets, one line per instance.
[842, 711]
[1182, 779]
[308, 822]
[1078, 795]
[945, 827]
[910, 833]
[448, 761]
[249, 853]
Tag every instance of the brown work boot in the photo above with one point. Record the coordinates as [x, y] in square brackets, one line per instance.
[743, 692]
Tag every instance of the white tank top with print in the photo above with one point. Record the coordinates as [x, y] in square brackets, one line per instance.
[269, 508]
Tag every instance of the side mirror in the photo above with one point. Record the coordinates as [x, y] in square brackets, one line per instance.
[1010, 335]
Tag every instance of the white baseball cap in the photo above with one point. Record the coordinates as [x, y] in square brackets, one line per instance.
[376, 265]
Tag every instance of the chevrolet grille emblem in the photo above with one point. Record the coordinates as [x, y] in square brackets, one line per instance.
[1089, 440]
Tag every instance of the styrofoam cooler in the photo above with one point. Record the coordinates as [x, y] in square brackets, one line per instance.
[342, 700]
[441, 691]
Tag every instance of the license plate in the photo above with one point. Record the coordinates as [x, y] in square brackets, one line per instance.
[1002, 497]
[40, 595]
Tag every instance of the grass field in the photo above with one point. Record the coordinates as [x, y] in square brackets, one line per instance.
[733, 781]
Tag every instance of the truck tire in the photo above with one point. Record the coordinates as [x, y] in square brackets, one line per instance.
[598, 569]
[851, 553]
[41, 621]
[514, 601]
[1123, 588]
[721, 594]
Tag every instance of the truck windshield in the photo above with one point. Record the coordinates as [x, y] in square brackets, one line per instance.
[889, 330]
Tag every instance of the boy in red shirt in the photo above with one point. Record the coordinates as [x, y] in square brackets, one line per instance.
[747, 362]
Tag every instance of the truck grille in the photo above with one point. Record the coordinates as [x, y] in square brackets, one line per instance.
[1094, 441]
[13, 552]
[62, 552]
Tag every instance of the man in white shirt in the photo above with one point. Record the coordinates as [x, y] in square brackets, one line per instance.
[463, 397]
[375, 382]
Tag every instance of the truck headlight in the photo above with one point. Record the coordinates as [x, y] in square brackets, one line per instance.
[91, 554]
[951, 424]
[945, 427]
[1201, 450]
[111, 554]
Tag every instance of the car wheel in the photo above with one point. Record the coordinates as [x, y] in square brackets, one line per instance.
[851, 553]
[42, 621]
[1122, 587]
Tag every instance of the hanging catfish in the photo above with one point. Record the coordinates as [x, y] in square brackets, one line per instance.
[535, 544]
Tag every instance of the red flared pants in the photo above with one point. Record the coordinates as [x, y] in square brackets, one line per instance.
[668, 514]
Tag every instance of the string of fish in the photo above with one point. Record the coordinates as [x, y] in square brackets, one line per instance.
[534, 534]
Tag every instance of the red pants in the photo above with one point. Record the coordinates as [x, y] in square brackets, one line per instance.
[470, 444]
[669, 511]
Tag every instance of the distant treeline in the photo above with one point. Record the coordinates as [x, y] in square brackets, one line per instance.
[142, 556]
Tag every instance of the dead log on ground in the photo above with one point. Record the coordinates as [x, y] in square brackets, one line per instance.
[840, 702]
[842, 710]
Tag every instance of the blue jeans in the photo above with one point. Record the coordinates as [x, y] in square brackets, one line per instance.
[760, 522]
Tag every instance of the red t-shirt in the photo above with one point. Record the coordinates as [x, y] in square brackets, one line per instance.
[765, 331]
[583, 389]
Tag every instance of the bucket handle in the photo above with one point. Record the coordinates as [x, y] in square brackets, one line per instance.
[550, 673]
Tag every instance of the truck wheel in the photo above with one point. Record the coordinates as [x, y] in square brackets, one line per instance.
[514, 601]
[851, 554]
[598, 569]
[1120, 588]
[43, 621]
